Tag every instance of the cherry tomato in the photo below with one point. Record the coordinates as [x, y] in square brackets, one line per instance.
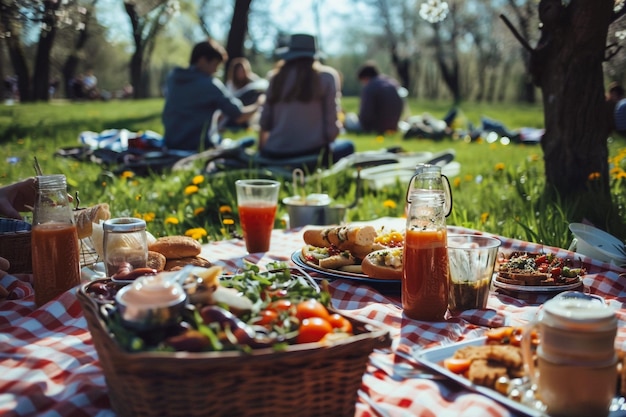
[457, 365]
[340, 322]
[267, 317]
[280, 305]
[541, 259]
[313, 329]
[555, 272]
[311, 308]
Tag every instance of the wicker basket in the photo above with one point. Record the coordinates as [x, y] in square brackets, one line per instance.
[305, 380]
[15, 246]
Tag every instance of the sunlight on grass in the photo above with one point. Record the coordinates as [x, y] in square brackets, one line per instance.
[498, 190]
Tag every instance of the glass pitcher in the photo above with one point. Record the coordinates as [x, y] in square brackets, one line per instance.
[429, 177]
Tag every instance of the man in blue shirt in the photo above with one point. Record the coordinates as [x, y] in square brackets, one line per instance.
[193, 95]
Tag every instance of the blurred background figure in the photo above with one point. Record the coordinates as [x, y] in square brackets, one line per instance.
[299, 116]
[245, 85]
[381, 104]
[90, 85]
[194, 95]
[617, 108]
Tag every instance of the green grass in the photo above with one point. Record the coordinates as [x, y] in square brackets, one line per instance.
[499, 189]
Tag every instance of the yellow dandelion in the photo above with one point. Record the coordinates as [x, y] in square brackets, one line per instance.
[228, 222]
[484, 217]
[127, 174]
[225, 209]
[594, 176]
[390, 204]
[468, 178]
[198, 179]
[191, 189]
[456, 182]
[138, 197]
[499, 166]
[149, 217]
[620, 175]
[134, 183]
[171, 220]
[196, 233]
[198, 210]
[380, 138]
[534, 157]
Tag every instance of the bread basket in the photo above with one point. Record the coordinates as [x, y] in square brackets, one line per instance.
[303, 380]
[15, 236]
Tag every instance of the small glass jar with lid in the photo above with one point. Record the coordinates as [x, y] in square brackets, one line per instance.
[125, 244]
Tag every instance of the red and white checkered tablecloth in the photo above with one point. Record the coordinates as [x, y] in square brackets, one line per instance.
[49, 367]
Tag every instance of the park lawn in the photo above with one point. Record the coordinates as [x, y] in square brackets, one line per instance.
[498, 189]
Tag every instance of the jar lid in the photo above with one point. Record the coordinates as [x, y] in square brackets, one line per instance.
[51, 182]
[579, 315]
[124, 224]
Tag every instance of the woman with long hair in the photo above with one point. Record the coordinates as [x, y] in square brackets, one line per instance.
[299, 116]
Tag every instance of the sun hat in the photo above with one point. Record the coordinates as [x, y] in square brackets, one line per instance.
[300, 45]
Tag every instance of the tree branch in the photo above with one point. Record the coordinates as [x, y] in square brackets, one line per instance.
[612, 50]
[521, 40]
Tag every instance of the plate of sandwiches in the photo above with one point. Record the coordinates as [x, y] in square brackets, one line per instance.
[538, 273]
[356, 252]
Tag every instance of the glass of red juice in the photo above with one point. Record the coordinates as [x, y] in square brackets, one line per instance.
[257, 200]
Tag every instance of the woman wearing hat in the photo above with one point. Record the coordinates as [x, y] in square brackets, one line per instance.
[300, 112]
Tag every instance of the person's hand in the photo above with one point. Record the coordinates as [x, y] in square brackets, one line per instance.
[4, 265]
[17, 197]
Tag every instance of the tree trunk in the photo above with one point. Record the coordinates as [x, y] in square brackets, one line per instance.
[449, 72]
[504, 81]
[567, 65]
[402, 66]
[72, 61]
[16, 55]
[41, 76]
[136, 70]
[238, 31]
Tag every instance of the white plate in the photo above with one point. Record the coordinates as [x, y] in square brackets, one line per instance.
[536, 288]
[433, 359]
[598, 244]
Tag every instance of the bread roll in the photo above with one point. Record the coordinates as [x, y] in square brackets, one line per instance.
[343, 237]
[337, 261]
[156, 261]
[85, 218]
[174, 264]
[176, 247]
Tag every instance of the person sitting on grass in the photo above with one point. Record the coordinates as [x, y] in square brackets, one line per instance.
[245, 85]
[299, 116]
[381, 102]
[193, 95]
